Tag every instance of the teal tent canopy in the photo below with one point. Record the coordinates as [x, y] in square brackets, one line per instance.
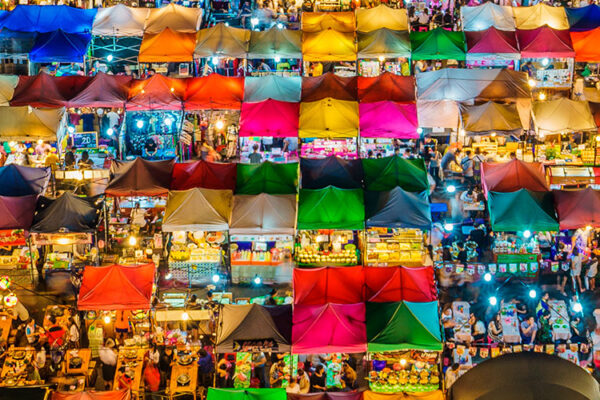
[522, 210]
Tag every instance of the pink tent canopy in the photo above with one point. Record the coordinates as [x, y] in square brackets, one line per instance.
[545, 42]
[342, 285]
[270, 118]
[388, 119]
[399, 284]
[329, 328]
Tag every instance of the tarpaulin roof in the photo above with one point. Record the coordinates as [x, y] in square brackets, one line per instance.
[67, 213]
[492, 41]
[562, 116]
[8, 83]
[318, 286]
[267, 177]
[387, 86]
[438, 113]
[331, 208]
[402, 326]
[120, 20]
[116, 287]
[388, 172]
[545, 42]
[540, 15]
[222, 41]
[585, 45]
[253, 322]
[399, 283]
[329, 118]
[167, 46]
[44, 90]
[397, 208]
[577, 208]
[124, 394]
[17, 212]
[486, 15]
[157, 92]
[438, 44]
[329, 328]
[60, 46]
[269, 118]
[275, 42]
[175, 17]
[203, 174]
[214, 92]
[263, 214]
[48, 19]
[316, 88]
[321, 21]
[383, 43]
[334, 171]
[328, 45]
[103, 91]
[513, 175]
[491, 117]
[583, 18]
[388, 119]
[198, 210]
[522, 209]
[140, 178]
[28, 124]
[246, 394]
[382, 16]
[260, 88]
[16, 180]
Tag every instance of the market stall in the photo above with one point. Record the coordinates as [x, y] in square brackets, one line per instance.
[120, 20]
[17, 217]
[167, 46]
[562, 116]
[486, 15]
[577, 208]
[328, 36]
[492, 48]
[267, 177]
[382, 16]
[414, 284]
[246, 394]
[76, 370]
[382, 123]
[386, 87]
[203, 174]
[14, 371]
[438, 44]
[319, 286]
[540, 15]
[175, 17]
[331, 171]
[184, 374]
[387, 173]
[274, 87]
[222, 40]
[383, 50]
[275, 43]
[47, 91]
[512, 176]
[130, 360]
[490, 119]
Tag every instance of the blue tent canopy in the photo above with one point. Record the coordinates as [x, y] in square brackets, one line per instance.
[59, 46]
[584, 18]
[397, 208]
[44, 19]
[16, 180]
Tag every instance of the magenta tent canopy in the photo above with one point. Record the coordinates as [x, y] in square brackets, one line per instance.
[269, 118]
[329, 328]
[17, 212]
[388, 119]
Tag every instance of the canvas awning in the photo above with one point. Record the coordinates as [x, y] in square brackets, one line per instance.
[328, 45]
[329, 118]
[316, 88]
[383, 285]
[487, 15]
[386, 87]
[388, 119]
[263, 214]
[29, 124]
[522, 210]
[60, 46]
[67, 213]
[500, 44]
[176, 18]
[222, 41]
[103, 90]
[203, 174]
[438, 44]
[398, 208]
[583, 19]
[540, 15]
[383, 43]
[47, 91]
[157, 92]
[214, 92]
[586, 46]
[388, 172]
[382, 16]
[8, 83]
[267, 177]
[139, 178]
[275, 43]
[318, 173]
[513, 175]
[16, 180]
[120, 20]
[491, 117]
[438, 114]
[17, 212]
[48, 18]
[246, 394]
[198, 210]
[319, 286]
[270, 118]
[331, 208]
[321, 21]
[545, 42]
[167, 46]
[578, 208]
[562, 115]
[275, 87]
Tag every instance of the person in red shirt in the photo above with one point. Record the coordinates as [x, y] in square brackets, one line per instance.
[151, 377]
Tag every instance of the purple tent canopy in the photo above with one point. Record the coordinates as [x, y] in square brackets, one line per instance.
[16, 180]
[17, 212]
[388, 119]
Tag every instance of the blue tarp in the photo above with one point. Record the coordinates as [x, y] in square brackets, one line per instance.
[583, 18]
[44, 19]
[59, 46]
[16, 180]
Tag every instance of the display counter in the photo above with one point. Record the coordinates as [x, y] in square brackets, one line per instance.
[14, 369]
[388, 247]
[409, 371]
[184, 373]
[196, 256]
[266, 256]
[321, 148]
[131, 359]
[327, 247]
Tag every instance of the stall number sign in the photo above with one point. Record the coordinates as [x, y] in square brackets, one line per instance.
[85, 140]
[256, 345]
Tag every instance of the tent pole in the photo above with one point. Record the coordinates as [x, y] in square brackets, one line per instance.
[105, 226]
[31, 260]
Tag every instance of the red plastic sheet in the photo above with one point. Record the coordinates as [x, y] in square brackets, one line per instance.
[140, 178]
[270, 118]
[103, 91]
[203, 174]
[399, 284]
[214, 92]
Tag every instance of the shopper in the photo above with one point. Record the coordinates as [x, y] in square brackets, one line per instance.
[317, 380]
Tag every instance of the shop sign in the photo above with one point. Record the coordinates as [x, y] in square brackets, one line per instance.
[12, 237]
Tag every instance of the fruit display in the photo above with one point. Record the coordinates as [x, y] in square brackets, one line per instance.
[311, 255]
[404, 375]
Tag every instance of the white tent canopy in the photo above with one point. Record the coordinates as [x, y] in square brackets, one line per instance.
[120, 21]
[438, 114]
[176, 18]
[28, 123]
[482, 17]
[8, 83]
[562, 116]
[261, 88]
[263, 214]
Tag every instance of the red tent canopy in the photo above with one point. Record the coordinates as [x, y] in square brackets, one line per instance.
[399, 284]
[545, 42]
[492, 41]
[156, 93]
[204, 174]
[269, 118]
[316, 88]
[17, 212]
[577, 208]
[124, 394]
[44, 90]
[214, 92]
[116, 287]
[140, 178]
[315, 286]
[512, 176]
[386, 87]
[103, 91]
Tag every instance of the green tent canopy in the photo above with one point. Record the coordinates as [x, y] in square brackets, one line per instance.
[403, 326]
[382, 174]
[246, 394]
[267, 177]
[331, 208]
[522, 210]
[438, 44]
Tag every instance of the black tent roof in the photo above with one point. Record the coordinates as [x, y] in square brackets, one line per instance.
[331, 171]
[397, 208]
[16, 180]
[67, 213]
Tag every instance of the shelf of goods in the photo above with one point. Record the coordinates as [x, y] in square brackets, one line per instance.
[386, 247]
[267, 256]
[410, 371]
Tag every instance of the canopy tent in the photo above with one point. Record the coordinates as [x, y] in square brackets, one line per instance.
[275, 43]
[386, 87]
[176, 18]
[329, 328]
[331, 208]
[45, 19]
[116, 287]
[398, 208]
[583, 18]
[139, 178]
[214, 92]
[167, 46]
[525, 375]
[246, 394]
[388, 119]
[389, 284]
[315, 88]
[540, 15]
[253, 322]
[16, 180]
[438, 44]
[267, 177]
[438, 114]
[275, 87]
[60, 46]
[67, 213]
[562, 115]
[321, 21]
[491, 117]
[382, 16]
[577, 208]
[103, 90]
[334, 171]
[585, 45]
[328, 45]
[388, 172]
[487, 15]
[203, 174]
[545, 42]
[91, 395]
[17, 212]
[8, 83]
[329, 118]
[120, 20]
[522, 210]
[318, 286]
[29, 124]
[198, 210]
[383, 42]
[263, 214]
[157, 92]
[513, 175]
[222, 41]
[269, 118]
[500, 44]
[44, 90]
[403, 326]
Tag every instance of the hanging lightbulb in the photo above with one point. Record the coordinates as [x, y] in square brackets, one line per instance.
[168, 121]
[109, 58]
[185, 316]
[139, 123]
[110, 131]
[132, 240]
[277, 59]
[219, 124]
[542, 96]
[106, 319]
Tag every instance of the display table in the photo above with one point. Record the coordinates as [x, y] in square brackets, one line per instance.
[5, 327]
[14, 369]
[132, 358]
[461, 311]
[184, 374]
[269, 274]
[510, 324]
[559, 320]
[389, 247]
[194, 272]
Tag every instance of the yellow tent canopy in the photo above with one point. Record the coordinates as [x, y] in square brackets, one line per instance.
[167, 46]
[539, 15]
[27, 123]
[383, 42]
[222, 41]
[177, 18]
[328, 118]
[328, 45]
[370, 19]
[7, 88]
[562, 116]
[320, 21]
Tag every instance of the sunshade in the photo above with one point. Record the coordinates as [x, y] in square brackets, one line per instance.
[438, 44]
[397, 208]
[513, 175]
[175, 17]
[540, 15]
[246, 394]
[522, 210]
[386, 87]
[331, 208]
[383, 43]
[167, 46]
[492, 41]
[316, 88]
[16, 180]
[562, 115]
[585, 45]
[329, 328]
[214, 92]
[222, 41]
[267, 177]
[198, 210]
[388, 119]
[577, 208]
[400, 284]
[116, 287]
[8, 83]
[269, 118]
[260, 88]
[388, 172]
[263, 214]
[545, 42]
[334, 171]
[318, 286]
[203, 174]
[491, 117]
[321, 21]
[17, 212]
[60, 46]
[252, 322]
[328, 45]
[583, 18]
[403, 326]
[44, 19]
[139, 178]
[44, 90]
[525, 375]
[120, 20]
[156, 93]
[67, 213]
[438, 113]
[382, 16]
[103, 91]
[329, 118]
[487, 15]
[29, 124]
[91, 395]
[275, 43]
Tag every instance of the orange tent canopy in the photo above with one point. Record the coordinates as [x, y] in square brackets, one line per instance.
[214, 92]
[167, 46]
[586, 46]
[156, 93]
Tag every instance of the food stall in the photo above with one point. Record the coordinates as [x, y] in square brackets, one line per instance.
[387, 173]
[14, 372]
[509, 321]
[486, 15]
[331, 171]
[558, 117]
[76, 370]
[492, 48]
[438, 44]
[130, 361]
[184, 373]
[489, 120]
[576, 208]
[267, 177]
